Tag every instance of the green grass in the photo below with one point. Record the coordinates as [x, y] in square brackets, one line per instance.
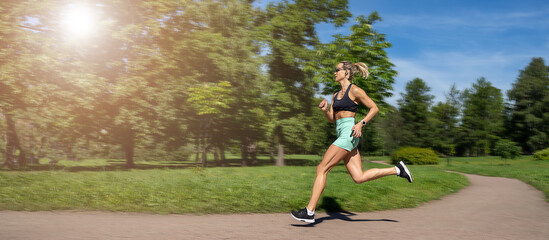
[96, 185]
[535, 173]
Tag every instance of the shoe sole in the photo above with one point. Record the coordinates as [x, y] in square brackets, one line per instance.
[407, 171]
[303, 220]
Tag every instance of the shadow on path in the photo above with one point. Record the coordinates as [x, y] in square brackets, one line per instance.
[335, 212]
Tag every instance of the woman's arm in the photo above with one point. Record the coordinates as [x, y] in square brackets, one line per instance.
[363, 98]
[328, 112]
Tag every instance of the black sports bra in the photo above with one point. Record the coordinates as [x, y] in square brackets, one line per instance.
[345, 103]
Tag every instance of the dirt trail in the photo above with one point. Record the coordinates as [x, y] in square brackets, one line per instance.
[490, 208]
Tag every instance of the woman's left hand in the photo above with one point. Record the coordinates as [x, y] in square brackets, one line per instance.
[357, 130]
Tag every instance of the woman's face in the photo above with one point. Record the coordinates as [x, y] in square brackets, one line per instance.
[339, 73]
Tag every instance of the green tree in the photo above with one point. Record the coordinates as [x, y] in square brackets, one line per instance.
[289, 33]
[529, 96]
[136, 99]
[27, 69]
[247, 116]
[445, 122]
[209, 100]
[482, 122]
[391, 129]
[130, 83]
[41, 81]
[414, 109]
[319, 132]
[218, 44]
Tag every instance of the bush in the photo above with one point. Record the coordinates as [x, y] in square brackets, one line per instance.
[414, 156]
[507, 149]
[542, 154]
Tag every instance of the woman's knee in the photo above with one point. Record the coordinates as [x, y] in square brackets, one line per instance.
[322, 169]
[358, 179]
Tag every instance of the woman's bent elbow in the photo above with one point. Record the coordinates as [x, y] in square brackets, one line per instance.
[374, 110]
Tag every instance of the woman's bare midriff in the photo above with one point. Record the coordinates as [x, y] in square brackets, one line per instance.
[344, 114]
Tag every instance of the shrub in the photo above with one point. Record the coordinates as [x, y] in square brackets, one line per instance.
[542, 154]
[507, 149]
[414, 156]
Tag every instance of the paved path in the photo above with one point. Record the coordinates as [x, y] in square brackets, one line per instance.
[490, 208]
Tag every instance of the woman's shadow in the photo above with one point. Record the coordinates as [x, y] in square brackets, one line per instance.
[334, 211]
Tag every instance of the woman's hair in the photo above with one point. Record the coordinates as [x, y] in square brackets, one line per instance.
[359, 67]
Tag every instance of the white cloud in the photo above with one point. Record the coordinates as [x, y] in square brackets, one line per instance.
[480, 20]
[442, 69]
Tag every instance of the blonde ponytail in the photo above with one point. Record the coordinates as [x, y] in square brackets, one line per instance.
[362, 69]
[359, 67]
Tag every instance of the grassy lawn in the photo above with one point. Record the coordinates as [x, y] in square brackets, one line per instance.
[167, 187]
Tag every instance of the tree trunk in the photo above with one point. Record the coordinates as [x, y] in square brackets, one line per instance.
[271, 148]
[70, 153]
[205, 154]
[252, 149]
[280, 157]
[196, 148]
[205, 138]
[13, 145]
[128, 144]
[216, 156]
[244, 153]
[222, 153]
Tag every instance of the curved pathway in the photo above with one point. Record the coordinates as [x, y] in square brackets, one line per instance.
[489, 208]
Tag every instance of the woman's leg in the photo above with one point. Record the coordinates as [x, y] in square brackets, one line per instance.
[354, 165]
[331, 158]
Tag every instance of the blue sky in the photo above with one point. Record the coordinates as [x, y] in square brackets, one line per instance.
[447, 42]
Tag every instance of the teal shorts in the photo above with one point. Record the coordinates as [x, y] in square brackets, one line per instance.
[344, 139]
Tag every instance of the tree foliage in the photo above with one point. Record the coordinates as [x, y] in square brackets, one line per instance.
[414, 108]
[445, 120]
[28, 68]
[529, 116]
[157, 78]
[482, 121]
[290, 35]
[156, 73]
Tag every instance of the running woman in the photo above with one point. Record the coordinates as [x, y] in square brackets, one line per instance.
[342, 112]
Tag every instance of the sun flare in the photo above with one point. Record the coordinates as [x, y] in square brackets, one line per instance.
[78, 21]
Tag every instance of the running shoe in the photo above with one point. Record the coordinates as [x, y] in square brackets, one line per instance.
[404, 172]
[302, 215]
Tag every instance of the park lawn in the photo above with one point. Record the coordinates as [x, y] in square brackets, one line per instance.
[525, 168]
[263, 189]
